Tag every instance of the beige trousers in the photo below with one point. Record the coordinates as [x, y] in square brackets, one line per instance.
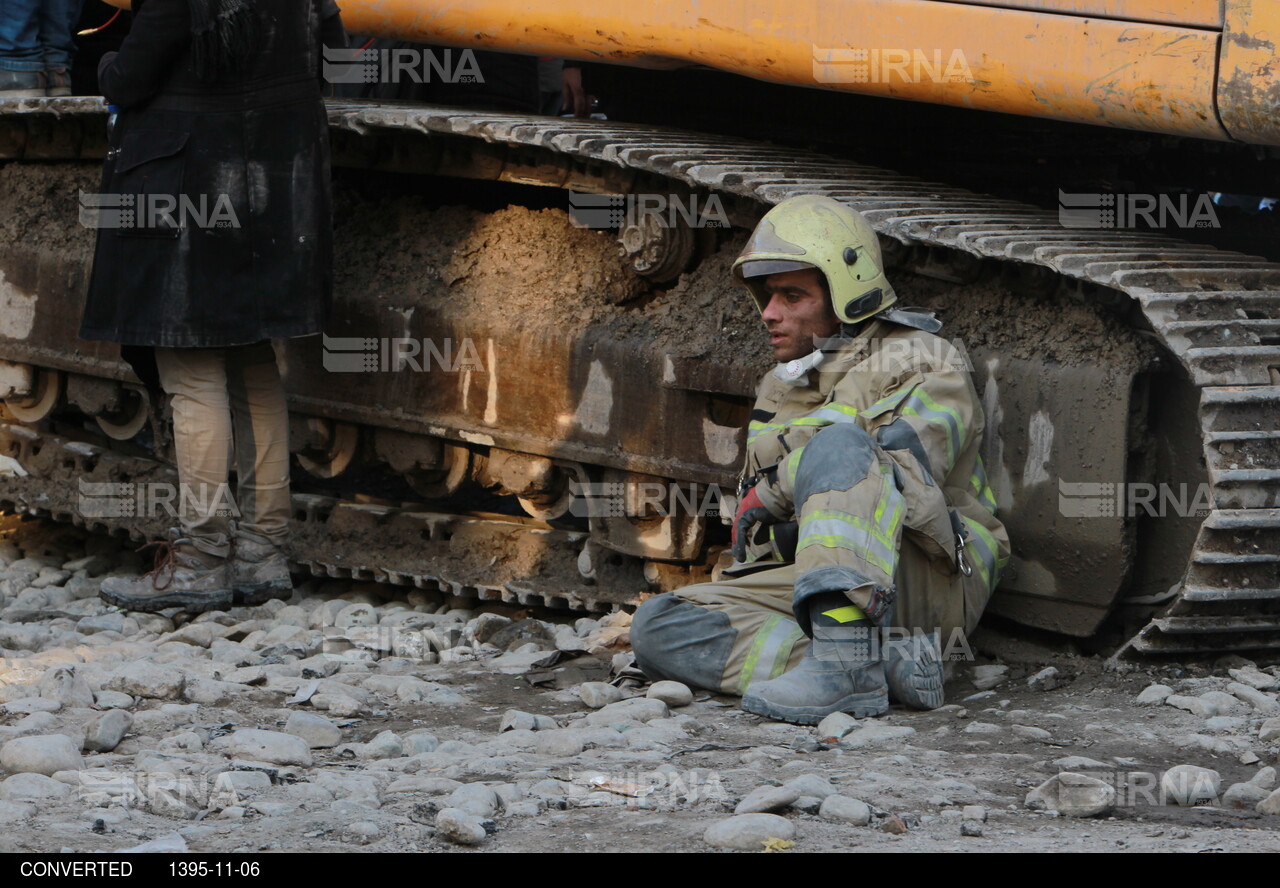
[225, 401]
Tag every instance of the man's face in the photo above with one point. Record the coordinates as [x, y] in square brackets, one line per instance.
[798, 313]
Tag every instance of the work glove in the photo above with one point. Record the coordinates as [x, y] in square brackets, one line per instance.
[751, 511]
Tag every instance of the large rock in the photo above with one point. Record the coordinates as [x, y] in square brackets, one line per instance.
[143, 679]
[36, 787]
[66, 687]
[845, 810]
[749, 832]
[104, 732]
[1189, 785]
[1195, 705]
[266, 746]
[41, 755]
[477, 799]
[1260, 700]
[1073, 795]
[1270, 730]
[315, 730]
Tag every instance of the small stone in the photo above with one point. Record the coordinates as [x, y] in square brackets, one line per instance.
[142, 679]
[476, 799]
[1072, 795]
[845, 810]
[983, 728]
[1154, 695]
[1255, 678]
[835, 726]
[362, 832]
[266, 746]
[1195, 705]
[173, 843]
[749, 832]
[1270, 730]
[598, 694]
[971, 828]
[1078, 763]
[104, 732]
[1244, 796]
[1270, 805]
[114, 700]
[673, 693]
[640, 709]
[461, 827]
[767, 798]
[316, 730]
[875, 735]
[385, 745]
[974, 812]
[41, 755]
[1046, 679]
[515, 720]
[987, 677]
[1028, 732]
[1265, 778]
[893, 825]
[1189, 785]
[354, 615]
[812, 785]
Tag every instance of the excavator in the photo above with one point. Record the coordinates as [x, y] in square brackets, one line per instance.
[539, 373]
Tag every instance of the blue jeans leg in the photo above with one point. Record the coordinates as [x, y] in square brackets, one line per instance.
[20, 36]
[58, 20]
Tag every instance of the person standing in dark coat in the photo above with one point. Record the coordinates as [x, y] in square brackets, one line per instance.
[221, 240]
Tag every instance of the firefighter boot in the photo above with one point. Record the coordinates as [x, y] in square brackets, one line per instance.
[841, 671]
[183, 577]
[913, 669]
[259, 569]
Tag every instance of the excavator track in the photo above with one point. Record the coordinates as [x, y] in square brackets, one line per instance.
[1216, 313]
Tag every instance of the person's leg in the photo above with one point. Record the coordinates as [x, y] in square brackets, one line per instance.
[262, 468]
[196, 380]
[720, 636]
[194, 573]
[21, 58]
[58, 20]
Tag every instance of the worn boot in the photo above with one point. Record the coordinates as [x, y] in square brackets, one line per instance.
[259, 569]
[57, 82]
[21, 84]
[913, 668]
[841, 671]
[183, 577]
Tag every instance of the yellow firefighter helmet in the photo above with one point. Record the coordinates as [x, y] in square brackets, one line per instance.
[812, 231]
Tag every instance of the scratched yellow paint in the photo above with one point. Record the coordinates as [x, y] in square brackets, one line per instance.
[1135, 64]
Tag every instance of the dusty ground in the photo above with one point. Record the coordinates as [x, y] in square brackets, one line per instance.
[684, 770]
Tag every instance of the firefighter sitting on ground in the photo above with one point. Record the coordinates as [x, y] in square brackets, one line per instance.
[865, 534]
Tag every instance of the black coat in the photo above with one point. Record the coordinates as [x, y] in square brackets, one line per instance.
[246, 252]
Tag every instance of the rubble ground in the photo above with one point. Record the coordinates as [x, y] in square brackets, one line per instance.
[358, 717]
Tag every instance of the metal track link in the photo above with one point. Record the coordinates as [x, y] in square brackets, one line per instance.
[101, 490]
